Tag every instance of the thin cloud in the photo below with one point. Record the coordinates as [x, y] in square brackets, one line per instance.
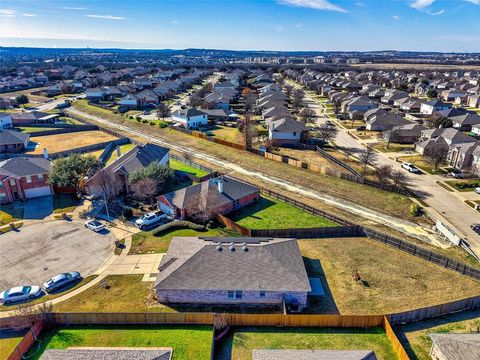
[299, 25]
[29, 15]
[175, 22]
[395, 17]
[7, 13]
[421, 4]
[108, 17]
[475, 2]
[73, 8]
[313, 4]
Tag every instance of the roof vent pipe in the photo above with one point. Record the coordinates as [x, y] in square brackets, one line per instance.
[220, 186]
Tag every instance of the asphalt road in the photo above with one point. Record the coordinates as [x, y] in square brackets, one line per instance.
[38, 252]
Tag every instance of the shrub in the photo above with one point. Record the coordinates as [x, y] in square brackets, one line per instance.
[177, 225]
[415, 210]
[152, 123]
[162, 124]
[144, 121]
[127, 213]
[130, 117]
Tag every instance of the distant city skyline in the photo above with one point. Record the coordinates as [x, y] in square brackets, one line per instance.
[282, 25]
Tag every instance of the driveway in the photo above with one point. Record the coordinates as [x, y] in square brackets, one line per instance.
[38, 208]
[37, 252]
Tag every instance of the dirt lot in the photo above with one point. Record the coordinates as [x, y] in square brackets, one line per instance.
[28, 92]
[391, 280]
[62, 142]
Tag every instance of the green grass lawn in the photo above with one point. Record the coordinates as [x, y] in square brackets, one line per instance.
[123, 150]
[181, 166]
[8, 343]
[423, 164]
[464, 185]
[187, 342]
[416, 341]
[29, 130]
[268, 213]
[226, 133]
[9, 214]
[243, 340]
[145, 242]
[64, 203]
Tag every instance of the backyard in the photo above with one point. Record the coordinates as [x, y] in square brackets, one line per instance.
[64, 142]
[9, 341]
[226, 133]
[269, 213]
[181, 166]
[31, 130]
[390, 280]
[240, 343]
[123, 150]
[416, 341]
[187, 342]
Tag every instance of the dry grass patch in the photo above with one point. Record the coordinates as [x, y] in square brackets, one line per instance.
[392, 281]
[63, 142]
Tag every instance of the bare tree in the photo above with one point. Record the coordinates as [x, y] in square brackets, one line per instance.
[106, 181]
[195, 101]
[399, 178]
[327, 133]
[367, 157]
[390, 136]
[436, 156]
[163, 110]
[297, 99]
[249, 103]
[307, 115]
[384, 173]
[288, 90]
[145, 189]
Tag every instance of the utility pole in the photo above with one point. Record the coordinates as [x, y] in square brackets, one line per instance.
[106, 206]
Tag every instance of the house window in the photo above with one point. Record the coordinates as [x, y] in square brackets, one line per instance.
[1, 184]
[262, 294]
[40, 177]
[294, 134]
[231, 294]
[29, 178]
[238, 294]
[236, 203]
[12, 181]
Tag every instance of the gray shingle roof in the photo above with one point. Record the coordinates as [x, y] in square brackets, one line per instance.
[287, 125]
[107, 354]
[272, 354]
[268, 265]
[8, 137]
[458, 346]
[22, 166]
[139, 157]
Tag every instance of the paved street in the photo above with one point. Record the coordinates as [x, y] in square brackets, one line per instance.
[444, 205]
[37, 252]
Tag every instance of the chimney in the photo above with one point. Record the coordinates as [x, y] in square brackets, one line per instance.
[220, 186]
[45, 153]
[119, 151]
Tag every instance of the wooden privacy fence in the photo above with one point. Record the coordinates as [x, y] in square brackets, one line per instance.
[309, 233]
[336, 161]
[422, 253]
[232, 225]
[434, 311]
[30, 337]
[64, 130]
[396, 344]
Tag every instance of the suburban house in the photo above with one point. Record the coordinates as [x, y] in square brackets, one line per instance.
[5, 121]
[190, 118]
[220, 115]
[449, 137]
[384, 122]
[455, 346]
[465, 122]
[212, 197]
[287, 354]
[118, 171]
[405, 134]
[233, 271]
[433, 106]
[357, 106]
[95, 93]
[28, 117]
[286, 131]
[130, 101]
[23, 178]
[13, 141]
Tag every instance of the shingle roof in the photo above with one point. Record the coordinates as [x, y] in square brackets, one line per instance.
[287, 125]
[458, 346]
[23, 166]
[8, 137]
[28, 115]
[188, 112]
[139, 157]
[273, 354]
[107, 354]
[267, 265]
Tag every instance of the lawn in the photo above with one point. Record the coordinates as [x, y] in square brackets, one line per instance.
[268, 213]
[227, 133]
[416, 341]
[8, 342]
[64, 203]
[147, 243]
[241, 343]
[29, 130]
[423, 164]
[382, 146]
[63, 142]
[181, 166]
[9, 214]
[464, 185]
[391, 280]
[124, 293]
[187, 341]
[123, 150]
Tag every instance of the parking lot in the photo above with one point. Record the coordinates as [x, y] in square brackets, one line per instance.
[37, 252]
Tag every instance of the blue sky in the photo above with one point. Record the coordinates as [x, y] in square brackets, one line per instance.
[420, 25]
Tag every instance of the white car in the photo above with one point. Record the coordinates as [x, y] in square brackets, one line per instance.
[150, 218]
[410, 167]
[477, 189]
[61, 281]
[19, 293]
[94, 225]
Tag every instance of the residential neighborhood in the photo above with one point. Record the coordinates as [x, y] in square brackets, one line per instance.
[167, 194]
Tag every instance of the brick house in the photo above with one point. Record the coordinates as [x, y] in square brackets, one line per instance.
[215, 196]
[233, 271]
[13, 141]
[23, 178]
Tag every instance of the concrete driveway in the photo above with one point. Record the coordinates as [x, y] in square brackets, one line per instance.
[38, 208]
[37, 252]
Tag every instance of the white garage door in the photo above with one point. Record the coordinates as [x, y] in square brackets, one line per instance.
[36, 192]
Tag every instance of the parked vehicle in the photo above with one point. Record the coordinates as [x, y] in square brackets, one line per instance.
[61, 280]
[476, 228]
[477, 189]
[361, 128]
[19, 293]
[411, 168]
[150, 219]
[94, 225]
[456, 174]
